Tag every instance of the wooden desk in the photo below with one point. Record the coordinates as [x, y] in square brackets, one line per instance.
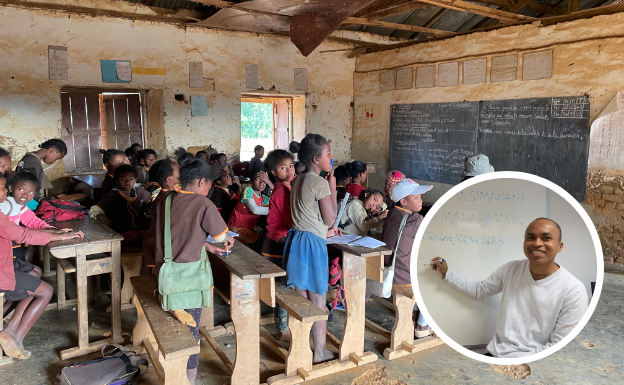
[244, 278]
[92, 180]
[98, 239]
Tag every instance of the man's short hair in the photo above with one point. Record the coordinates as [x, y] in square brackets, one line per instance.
[559, 227]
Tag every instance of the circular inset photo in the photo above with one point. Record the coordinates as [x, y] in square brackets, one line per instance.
[508, 268]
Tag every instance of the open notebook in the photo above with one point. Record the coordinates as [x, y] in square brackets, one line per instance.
[354, 240]
[211, 239]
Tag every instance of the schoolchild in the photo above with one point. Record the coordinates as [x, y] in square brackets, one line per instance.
[252, 204]
[111, 159]
[363, 214]
[357, 172]
[148, 158]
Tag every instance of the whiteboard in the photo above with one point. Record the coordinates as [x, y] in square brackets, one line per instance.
[480, 229]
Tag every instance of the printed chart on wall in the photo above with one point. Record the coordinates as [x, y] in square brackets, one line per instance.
[548, 137]
[479, 230]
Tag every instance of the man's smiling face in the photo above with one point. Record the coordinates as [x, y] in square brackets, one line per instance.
[542, 241]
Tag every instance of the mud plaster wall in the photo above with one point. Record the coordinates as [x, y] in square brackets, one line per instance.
[587, 57]
[30, 108]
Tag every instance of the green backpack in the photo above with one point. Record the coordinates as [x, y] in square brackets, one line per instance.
[183, 285]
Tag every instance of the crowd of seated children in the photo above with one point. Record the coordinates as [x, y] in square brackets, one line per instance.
[133, 153]
[183, 157]
[256, 162]
[279, 163]
[148, 158]
[252, 204]
[5, 164]
[49, 152]
[111, 159]
[342, 179]
[221, 161]
[357, 172]
[313, 207]
[24, 290]
[406, 195]
[363, 213]
[122, 209]
[202, 155]
[193, 218]
[165, 177]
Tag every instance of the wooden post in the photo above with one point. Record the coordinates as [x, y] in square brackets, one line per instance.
[403, 330]
[60, 286]
[299, 354]
[354, 273]
[131, 266]
[141, 330]
[245, 314]
[83, 306]
[116, 290]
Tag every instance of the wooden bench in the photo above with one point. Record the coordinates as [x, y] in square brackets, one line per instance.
[167, 342]
[3, 360]
[402, 336]
[301, 315]
[131, 259]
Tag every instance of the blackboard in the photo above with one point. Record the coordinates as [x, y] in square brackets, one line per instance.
[548, 137]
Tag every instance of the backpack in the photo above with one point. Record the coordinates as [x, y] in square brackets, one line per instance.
[117, 366]
[59, 211]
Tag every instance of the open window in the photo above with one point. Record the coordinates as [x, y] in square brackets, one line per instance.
[265, 121]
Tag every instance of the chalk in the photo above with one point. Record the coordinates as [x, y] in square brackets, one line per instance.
[432, 263]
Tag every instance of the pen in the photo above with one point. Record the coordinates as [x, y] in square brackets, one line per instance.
[433, 263]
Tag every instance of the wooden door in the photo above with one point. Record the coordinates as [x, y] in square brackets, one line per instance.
[80, 126]
[281, 121]
[124, 123]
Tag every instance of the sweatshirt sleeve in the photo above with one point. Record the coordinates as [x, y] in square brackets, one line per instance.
[19, 234]
[361, 220]
[30, 220]
[477, 289]
[574, 307]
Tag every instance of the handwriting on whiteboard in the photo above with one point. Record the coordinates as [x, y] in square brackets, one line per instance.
[463, 239]
[461, 217]
[473, 196]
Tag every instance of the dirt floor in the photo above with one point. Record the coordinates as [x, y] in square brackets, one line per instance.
[595, 356]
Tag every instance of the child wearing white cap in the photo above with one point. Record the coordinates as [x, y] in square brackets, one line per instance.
[408, 202]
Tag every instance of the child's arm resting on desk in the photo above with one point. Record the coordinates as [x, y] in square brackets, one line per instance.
[574, 307]
[95, 212]
[476, 289]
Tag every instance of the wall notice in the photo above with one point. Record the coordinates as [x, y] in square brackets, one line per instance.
[196, 74]
[251, 78]
[474, 71]
[387, 80]
[57, 63]
[405, 78]
[448, 74]
[606, 143]
[124, 71]
[301, 79]
[537, 65]
[504, 68]
[425, 76]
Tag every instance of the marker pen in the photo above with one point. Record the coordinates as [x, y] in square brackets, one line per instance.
[432, 263]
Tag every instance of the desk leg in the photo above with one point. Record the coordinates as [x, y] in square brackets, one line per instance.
[354, 272]
[83, 305]
[60, 287]
[116, 291]
[403, 330]
[245, 313]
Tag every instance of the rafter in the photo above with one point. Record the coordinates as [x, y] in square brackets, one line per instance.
[397, 9]
[460, 5]
[532, 5]
[403, 27]
[430, 22]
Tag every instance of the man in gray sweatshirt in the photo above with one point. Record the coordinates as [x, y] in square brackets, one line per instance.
[541, 302]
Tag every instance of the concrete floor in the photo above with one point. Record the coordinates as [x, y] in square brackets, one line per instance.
[577, 363]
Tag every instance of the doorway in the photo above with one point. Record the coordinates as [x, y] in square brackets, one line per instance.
[265, 121]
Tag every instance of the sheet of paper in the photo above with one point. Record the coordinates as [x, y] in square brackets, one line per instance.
[199, 106]
[504, 68]
[371, 112]
[57, 63]
[474, 71]
[368, 242]
[342, 209]
[537, 65]
[606, 143]
[124, 71]
[345, 239]
[448, 74]
[251, 80]
[301, 79]
[425, 76]
[196, 74]
[211, 239]
[405, 78]
[387, 80]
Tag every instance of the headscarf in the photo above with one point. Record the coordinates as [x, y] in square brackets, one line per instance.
[392, 179]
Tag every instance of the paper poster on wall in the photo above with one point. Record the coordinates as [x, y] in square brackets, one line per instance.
[301, 79]
[251, 78]
[425, 76]
[537, 65]
[448, 74]
[109, 71]
[606, 142]
[504, 68]
[371, 112]
[57, 63]
[474, 71]
[124, 70]
[199, 106]
[196, 74]
[387, 80]
[405, 78]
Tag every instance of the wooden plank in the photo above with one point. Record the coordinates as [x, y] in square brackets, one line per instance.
[378, 329]
[174, 339]
[92, 180]
[377, 260]
[362, 251]
[418, 346]
[297, 306]
[274, 344]
[460, 5]
[543, 8]
[267, 291]
[99, 266]
[299, 353]
[131, 266]
[83, 310]
[402, 27]
[247, 264]
[332, 339]
[245, 314]
[89, 348]
[217, 348]
[403, 330]
[403, 290]
[396, 10]
[66, 265]
[354, 273]
[116, 288]
[55, 305]
[152, 355]
[373, 272]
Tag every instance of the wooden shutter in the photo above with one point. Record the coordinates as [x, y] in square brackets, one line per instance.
[80, 125]
[282, 119]
[124, 123]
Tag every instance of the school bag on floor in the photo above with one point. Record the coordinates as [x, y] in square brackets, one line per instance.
[117, 366]
[59, 210]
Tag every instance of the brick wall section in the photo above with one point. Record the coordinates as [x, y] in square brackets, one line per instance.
[604, 202]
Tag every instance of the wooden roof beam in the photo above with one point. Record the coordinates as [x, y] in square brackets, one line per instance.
[533, 5]
[460, 5]
[397, 10]
[402, 27]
